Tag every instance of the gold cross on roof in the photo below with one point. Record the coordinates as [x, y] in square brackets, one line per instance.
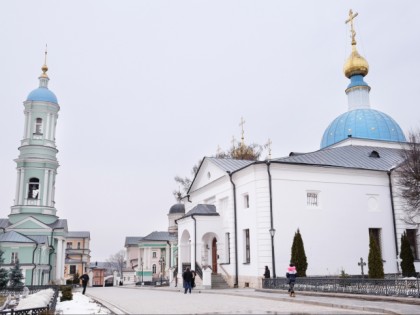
[350, 19]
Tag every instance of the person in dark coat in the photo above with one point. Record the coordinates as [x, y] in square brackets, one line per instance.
[85, 280]
[291, 278]
[266, 272]
[187, 277]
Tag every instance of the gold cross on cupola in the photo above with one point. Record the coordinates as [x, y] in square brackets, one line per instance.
[350, 20]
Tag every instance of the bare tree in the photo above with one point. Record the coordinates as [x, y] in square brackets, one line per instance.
[117, 262]
[408, 179]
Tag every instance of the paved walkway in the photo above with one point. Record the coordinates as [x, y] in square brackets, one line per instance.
[138, 300]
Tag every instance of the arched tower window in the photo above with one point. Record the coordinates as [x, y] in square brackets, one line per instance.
[154, 268]
[33, 191]
[38, 126]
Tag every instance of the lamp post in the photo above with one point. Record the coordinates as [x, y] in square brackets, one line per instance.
[161, 261]
[141, 264]
[272, 233]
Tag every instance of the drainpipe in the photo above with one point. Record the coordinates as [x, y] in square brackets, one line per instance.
[271, 220]
[236, 229]
[393, 217]
[195, 239]
[33, 263]
[52, 250]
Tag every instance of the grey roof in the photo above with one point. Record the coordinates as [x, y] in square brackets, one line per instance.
[160, 236]
[132, 240]
[202, 209]
[229, 165]
[4, 223]
[15, 237]
[177, 208]
[40, 239]
[78, 234]
[349, 157]
[59, 224]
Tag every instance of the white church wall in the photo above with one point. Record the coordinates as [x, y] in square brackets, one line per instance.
[336, 232]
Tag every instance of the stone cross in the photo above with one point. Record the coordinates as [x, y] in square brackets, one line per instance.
[361, 264]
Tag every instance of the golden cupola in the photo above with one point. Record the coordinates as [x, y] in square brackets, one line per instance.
[355, 63]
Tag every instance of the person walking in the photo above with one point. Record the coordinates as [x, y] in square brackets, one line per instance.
[266, 272]
[187, 277]
[85, 280]
[291, 278]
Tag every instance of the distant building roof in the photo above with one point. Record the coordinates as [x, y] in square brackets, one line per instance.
[15, 237]
[160, 236]
[132, 240]
[78, 234]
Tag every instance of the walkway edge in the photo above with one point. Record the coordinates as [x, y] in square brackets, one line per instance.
[114, 309]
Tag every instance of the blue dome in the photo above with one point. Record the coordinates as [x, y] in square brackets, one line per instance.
[42, 94]
[362, 123]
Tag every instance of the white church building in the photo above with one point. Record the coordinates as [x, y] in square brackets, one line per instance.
[241, 216]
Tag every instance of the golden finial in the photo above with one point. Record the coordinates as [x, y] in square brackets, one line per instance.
[269, 143]
[44, 67]
[350, 19]
[355, 64]
[242, 126]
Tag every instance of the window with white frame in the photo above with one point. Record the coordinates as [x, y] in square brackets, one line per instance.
[246, 201]
[154, 268]
[72, 269]
[69, 245]
[154, 254]
[38, 126]
[312, 199]
[14, 258]
[223, 204]
[78, 245]
[33, 188]
[247, 247]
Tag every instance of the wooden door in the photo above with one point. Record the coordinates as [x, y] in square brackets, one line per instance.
[214, 255]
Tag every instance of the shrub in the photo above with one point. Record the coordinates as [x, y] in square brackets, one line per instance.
[66, 293]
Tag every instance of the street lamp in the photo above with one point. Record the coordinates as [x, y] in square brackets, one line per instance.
[161, 261]
[272, 233]
[141, 264]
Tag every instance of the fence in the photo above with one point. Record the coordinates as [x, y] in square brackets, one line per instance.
[385, 287]
[32, 289]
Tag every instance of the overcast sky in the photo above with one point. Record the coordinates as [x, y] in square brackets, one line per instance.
[147, 88]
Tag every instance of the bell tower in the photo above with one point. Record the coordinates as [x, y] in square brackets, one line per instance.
[37, 162]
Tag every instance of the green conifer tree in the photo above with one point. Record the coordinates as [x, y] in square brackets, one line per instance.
[375, 264]
[4, 274]
[16, 276]
[298, 255]
[407, 258]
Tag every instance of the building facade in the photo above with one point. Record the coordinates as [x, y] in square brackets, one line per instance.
[242, 215]
[77, 254]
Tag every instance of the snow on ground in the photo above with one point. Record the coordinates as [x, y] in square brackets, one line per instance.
[81, 304]
[38, 299]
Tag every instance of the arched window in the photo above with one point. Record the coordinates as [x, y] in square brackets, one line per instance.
[154, 268]
[33, 191]
[38, 126]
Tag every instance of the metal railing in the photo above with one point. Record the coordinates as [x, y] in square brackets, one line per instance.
[32, 289]
[384, 287]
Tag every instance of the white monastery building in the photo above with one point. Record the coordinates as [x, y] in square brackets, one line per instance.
[241, 216]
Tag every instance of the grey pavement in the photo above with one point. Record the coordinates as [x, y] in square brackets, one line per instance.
[165, 300]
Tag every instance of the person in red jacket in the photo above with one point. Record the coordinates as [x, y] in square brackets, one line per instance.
[291, 278]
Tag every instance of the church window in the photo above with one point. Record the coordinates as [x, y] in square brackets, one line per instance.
[412, 239]
[312, 199]
[376, 234]
[38, 126]
[154, 254]
[72, 269]
[154, 268]
[246, 201]
[15, 258]
[247, 254]
[69, 245]
[33, 191]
